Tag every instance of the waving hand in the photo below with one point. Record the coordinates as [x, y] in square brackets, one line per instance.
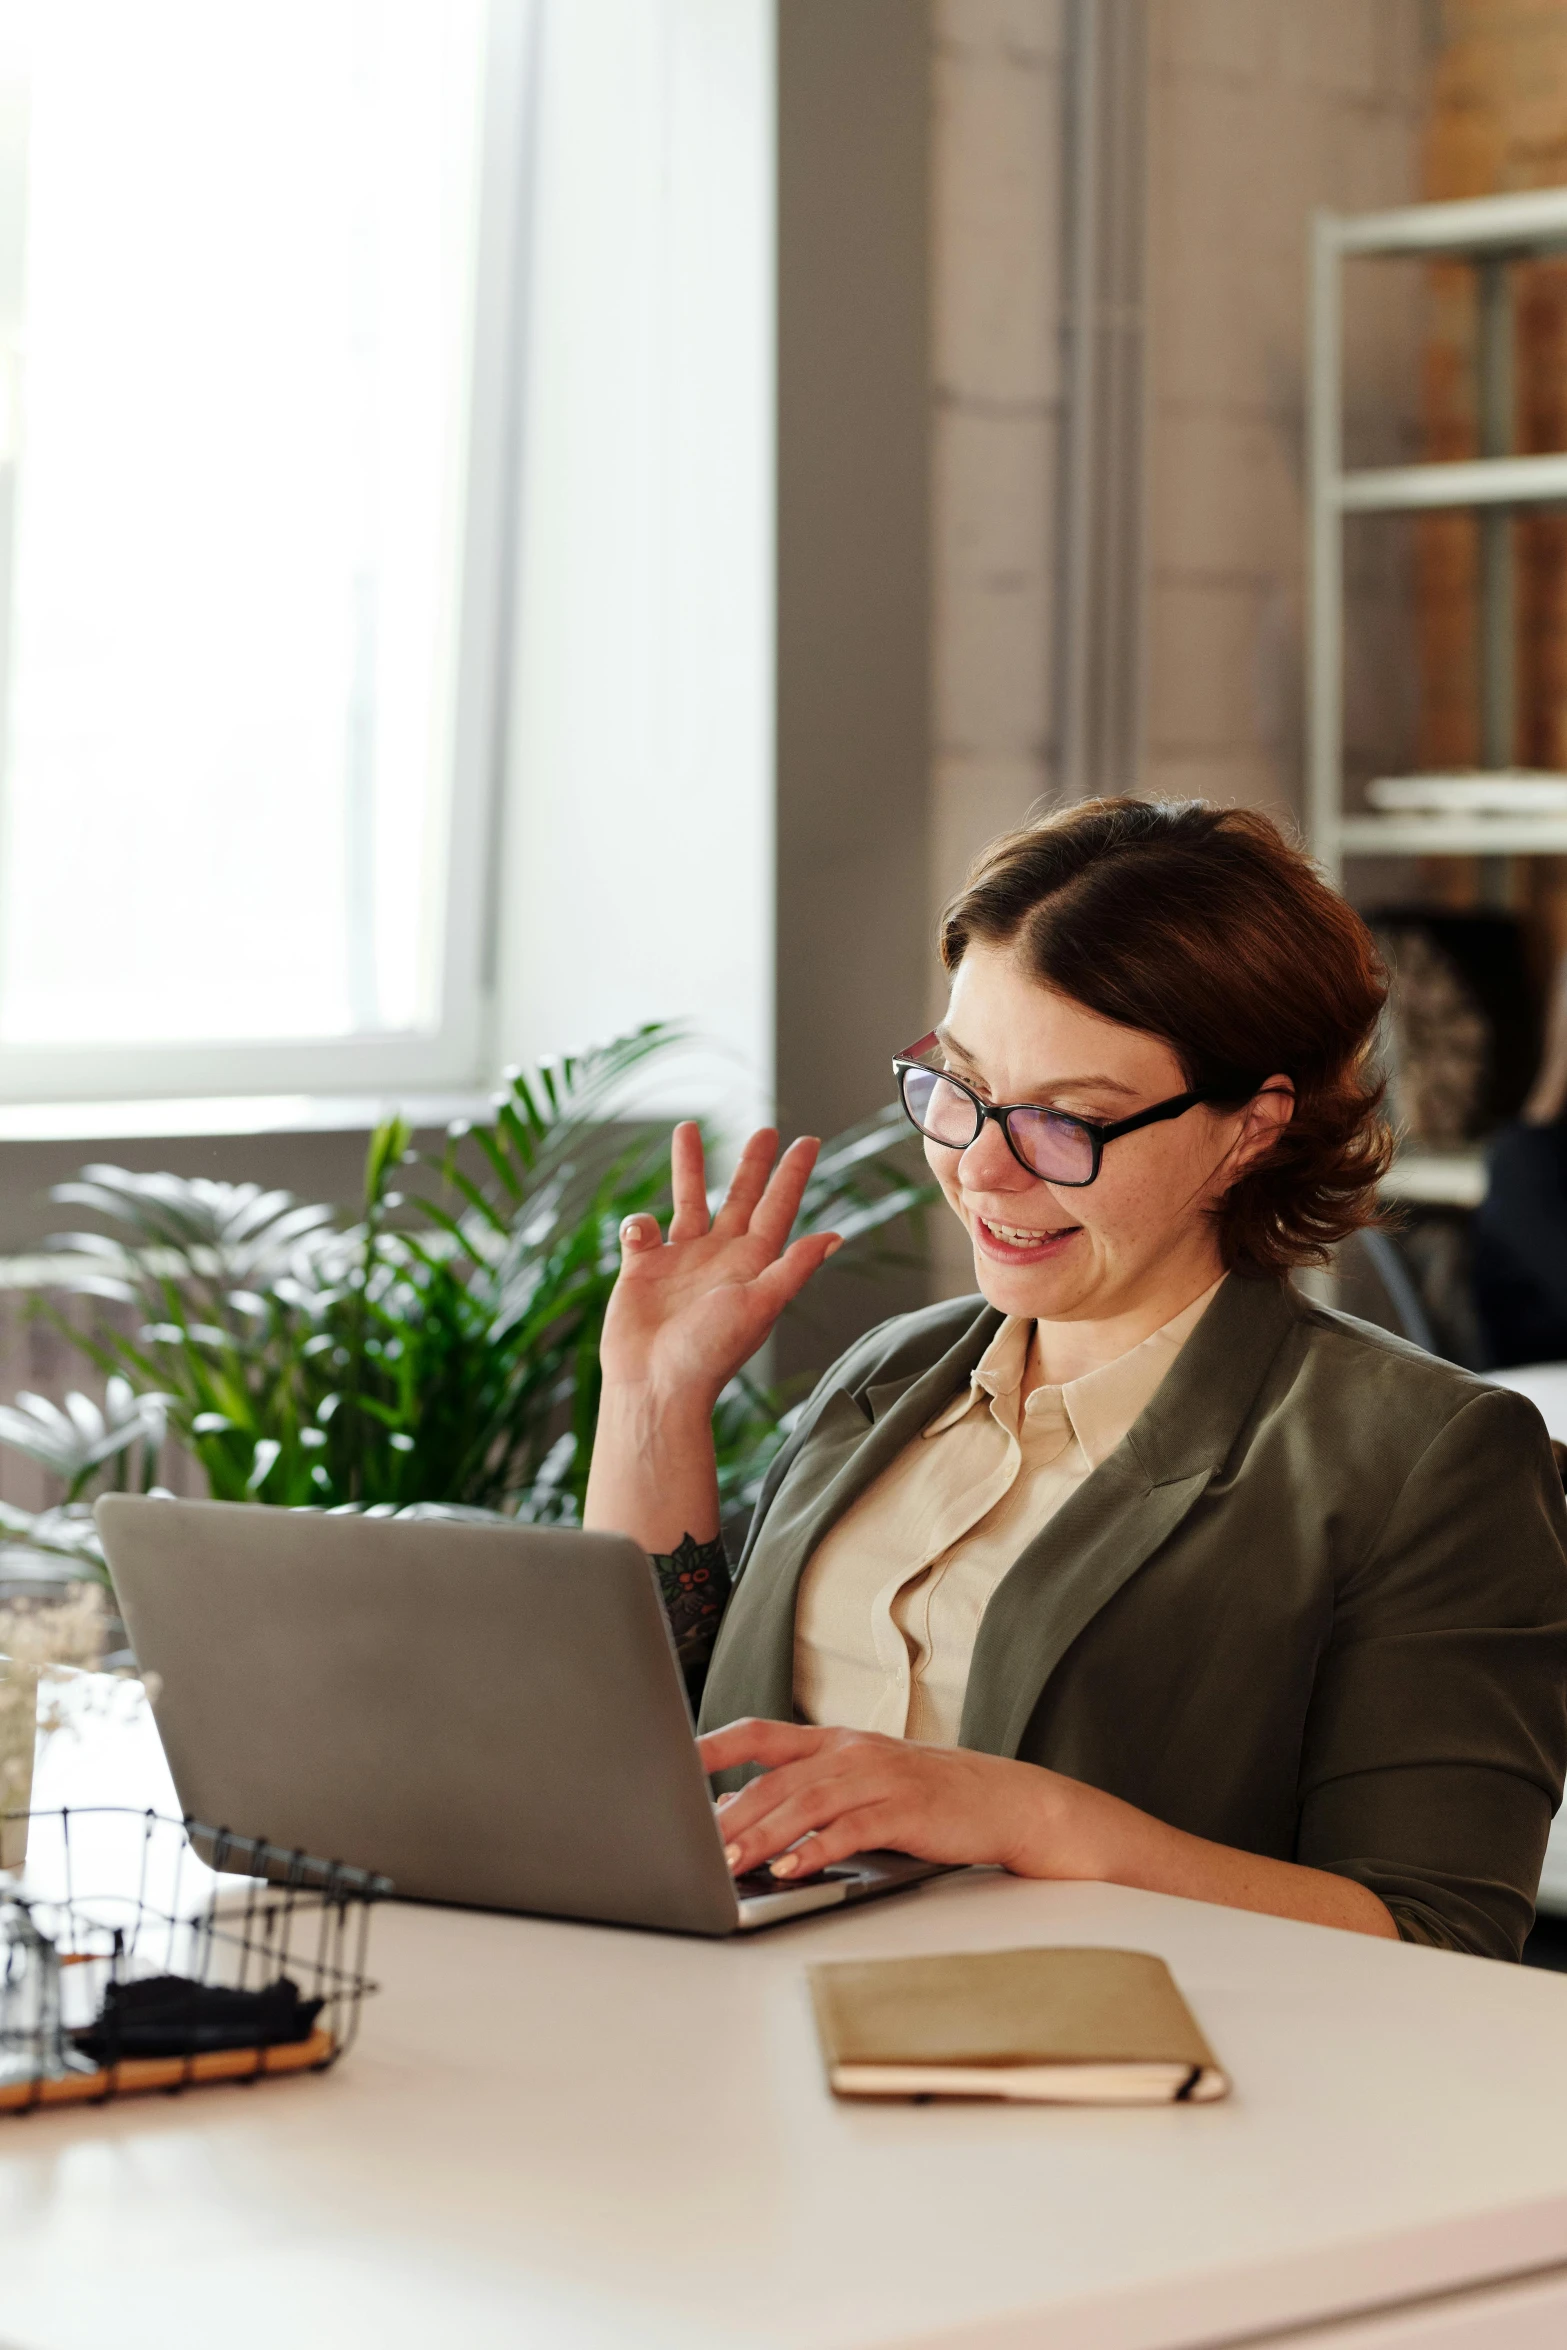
[689, 1310]
[686, 1312]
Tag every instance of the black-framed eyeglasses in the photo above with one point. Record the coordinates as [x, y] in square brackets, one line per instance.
[1049, 1143]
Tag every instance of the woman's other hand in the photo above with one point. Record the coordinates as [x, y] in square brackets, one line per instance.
[689, 1310]
[826, 1794]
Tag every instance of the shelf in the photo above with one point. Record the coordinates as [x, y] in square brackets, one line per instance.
[1451, 836]
[1476, 791]
[1480, 481]
[1532, 222]
[1493, 233]
[1437, 1179]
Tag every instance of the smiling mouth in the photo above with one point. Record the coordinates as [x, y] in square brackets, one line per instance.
[1024, 1236]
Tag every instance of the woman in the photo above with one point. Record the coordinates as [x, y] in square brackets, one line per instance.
[1140, 1568]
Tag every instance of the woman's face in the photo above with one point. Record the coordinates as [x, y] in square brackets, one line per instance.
[1142, 1227]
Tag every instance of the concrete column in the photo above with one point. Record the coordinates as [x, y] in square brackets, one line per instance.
[853, 584]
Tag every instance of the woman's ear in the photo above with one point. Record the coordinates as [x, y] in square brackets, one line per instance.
[1264, 1118]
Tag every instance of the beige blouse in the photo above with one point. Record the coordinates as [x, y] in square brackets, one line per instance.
[891, 1600]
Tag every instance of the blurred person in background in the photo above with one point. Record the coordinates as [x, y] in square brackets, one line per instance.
[1520, 1228]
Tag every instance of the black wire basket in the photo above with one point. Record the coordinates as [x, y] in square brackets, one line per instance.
[139, 1952]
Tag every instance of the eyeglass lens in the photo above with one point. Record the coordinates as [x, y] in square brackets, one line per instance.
[1050, 1144]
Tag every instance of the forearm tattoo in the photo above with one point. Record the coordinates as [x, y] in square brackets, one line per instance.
[694, 1582]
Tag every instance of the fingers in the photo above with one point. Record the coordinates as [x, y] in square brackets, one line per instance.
[822, 1786]
[638, 1233]
[862, 1830]
[763, 1198]
[747, 1184]
[823, 1818]
[688, 1182]
[784, 1280]
[814, 1805]
[754, 1740]
[793, 1784]
[829, 1793]
[780, 1202]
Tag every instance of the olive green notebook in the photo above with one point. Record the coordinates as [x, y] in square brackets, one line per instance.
[1055, 2027]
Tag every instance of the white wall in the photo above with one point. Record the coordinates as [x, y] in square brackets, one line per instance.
[636, 875]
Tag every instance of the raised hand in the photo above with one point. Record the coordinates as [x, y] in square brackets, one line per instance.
[688, 1310]
[685, 1314]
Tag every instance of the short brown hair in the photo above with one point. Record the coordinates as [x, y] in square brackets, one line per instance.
[1206, 927]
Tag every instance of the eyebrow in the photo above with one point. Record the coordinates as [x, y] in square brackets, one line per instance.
[950, 1044]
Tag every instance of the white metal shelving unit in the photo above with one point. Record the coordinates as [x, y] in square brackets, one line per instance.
[1491, 232]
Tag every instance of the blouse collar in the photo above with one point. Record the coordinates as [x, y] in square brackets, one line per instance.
[1102, 1405]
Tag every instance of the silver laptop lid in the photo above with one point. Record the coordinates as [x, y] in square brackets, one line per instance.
[490, 1715]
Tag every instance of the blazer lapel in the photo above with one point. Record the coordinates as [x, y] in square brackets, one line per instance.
[1121, 1515]
[852, 1439]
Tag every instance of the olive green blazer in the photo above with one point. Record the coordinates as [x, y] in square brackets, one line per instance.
[1314, 1605]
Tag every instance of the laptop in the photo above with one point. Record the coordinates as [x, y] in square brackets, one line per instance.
[491, 1716]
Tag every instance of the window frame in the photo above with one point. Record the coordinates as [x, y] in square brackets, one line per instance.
[451, 1054]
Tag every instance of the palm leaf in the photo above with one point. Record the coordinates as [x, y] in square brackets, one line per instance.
[439, 1350]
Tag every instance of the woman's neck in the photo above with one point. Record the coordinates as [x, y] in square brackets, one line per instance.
[1062, 1351]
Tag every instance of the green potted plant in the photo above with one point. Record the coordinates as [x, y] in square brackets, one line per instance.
[441, 1350]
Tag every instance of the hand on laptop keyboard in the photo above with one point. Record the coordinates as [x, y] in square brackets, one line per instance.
[756, 1882]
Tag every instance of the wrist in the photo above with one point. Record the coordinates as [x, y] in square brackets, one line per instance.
[656, 1414]
[1068, 1830]
[654, 1474]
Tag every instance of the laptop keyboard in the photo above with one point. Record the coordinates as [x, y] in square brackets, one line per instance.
[757, 1882]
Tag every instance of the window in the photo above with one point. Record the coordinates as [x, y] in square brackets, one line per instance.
[252, 299]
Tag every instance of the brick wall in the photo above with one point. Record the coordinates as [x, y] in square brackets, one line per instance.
[1498, 122]
[1261, 111]
[996, 420]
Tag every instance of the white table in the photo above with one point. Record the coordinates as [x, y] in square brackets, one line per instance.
[580, 2139]
[1545, 1384]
